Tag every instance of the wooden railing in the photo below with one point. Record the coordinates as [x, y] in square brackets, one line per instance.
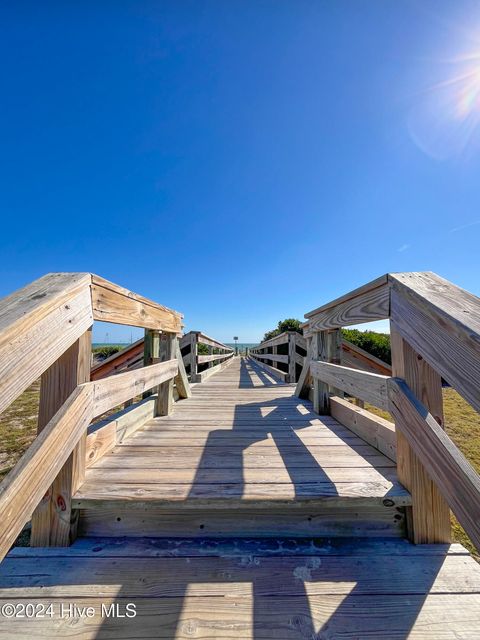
[203, 366]
[435, 334]
[284, 356]
[45, 330]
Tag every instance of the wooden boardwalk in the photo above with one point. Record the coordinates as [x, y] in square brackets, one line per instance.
[242, 441]
[239, 506]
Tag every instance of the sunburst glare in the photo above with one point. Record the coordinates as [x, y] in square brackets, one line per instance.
[445, 121]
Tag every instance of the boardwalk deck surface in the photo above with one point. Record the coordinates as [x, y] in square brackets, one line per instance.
[242, 458]
[244, 440]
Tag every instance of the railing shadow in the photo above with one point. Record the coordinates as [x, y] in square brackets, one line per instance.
[258, 589]
[302, 597]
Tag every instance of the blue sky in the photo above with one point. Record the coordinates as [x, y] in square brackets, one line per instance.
[241, 162]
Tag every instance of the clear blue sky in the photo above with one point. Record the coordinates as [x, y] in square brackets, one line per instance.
[241, 162]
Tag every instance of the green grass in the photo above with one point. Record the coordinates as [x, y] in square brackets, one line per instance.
[18, 427]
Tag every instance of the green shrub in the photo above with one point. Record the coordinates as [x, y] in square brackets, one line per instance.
[106, 351]
[378, 344]
[290, 324]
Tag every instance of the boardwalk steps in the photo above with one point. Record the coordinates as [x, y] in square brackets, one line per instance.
[242, 505]
[242, 457]
[263, 589]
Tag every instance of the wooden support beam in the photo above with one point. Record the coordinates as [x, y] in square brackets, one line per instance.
[292, 361]
[112, 391]
[24, 486]
[53, 522]
[430, 515]
[320, 388]
[181, 380]
[193, 356]
[334, 355]
[371, 387]
[375, 430]
[151, 352]
[304, 381]
[168, 348]
[453, 474]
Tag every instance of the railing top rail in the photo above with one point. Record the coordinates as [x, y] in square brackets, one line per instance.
[204, 339]
[273, 341]
[41, 321]
[355, 293]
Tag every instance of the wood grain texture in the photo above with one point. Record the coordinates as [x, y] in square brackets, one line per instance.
[442, 323]
[353, 356]
[52, 525]
[112, 303]
[371, 428]
[212, 358]
[418, 617]
[211, 342]
[457, 480]
[31, 477]
[164, 401]
[53, 312]
[181, 380]
[370, 302]
[112, 391]
[128, 358]
[320, 387]
[430, 515]
[233, 588]
[370, 387]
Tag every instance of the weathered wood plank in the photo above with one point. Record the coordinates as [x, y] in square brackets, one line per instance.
[274, 357]
[377, 521]
[430, 515]
[367, 303]
[215, 356]
[371, 387]
[272, 576]
[168, 349]
[211, 342]
[371, 428]
[181, 380]
[103, 436]
[127, 358]
[112, 391]
[112, 303]
[442, 323]
[396, 617]
[53, 311]
[25, 485]
[353, 356]
[453, 474]
[282, 338]
[252, 547]
[52, 525]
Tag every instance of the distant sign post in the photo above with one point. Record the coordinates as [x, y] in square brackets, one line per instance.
[235, 338]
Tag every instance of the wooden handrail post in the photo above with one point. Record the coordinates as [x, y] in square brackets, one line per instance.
[193, 356]
[54, 522]
[320, 389]
[292, 351]
[168, 350]
[334, 355]
[429, 518]
[151, 351]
